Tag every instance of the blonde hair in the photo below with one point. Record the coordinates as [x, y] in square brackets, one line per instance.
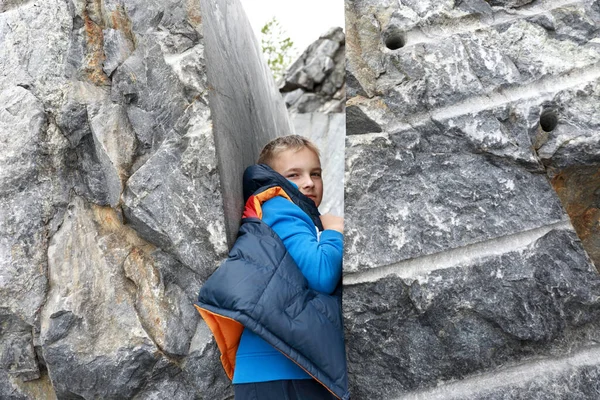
[283, 143]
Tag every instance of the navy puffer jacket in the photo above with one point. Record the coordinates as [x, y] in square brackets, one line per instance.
[261, 288]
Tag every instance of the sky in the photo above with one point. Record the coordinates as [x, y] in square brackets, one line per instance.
[303, 21]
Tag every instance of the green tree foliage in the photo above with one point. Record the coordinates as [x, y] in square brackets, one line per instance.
[276, 47]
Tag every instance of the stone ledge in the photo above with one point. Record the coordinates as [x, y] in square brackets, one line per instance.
[424, 192]
[574, 376]
[404, 335]
[417, 268]
[427, 33]
[431, 70]
[410, 166]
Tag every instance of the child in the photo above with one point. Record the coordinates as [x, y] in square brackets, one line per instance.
[275, 304]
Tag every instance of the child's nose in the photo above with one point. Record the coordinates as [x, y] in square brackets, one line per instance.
[308, 182]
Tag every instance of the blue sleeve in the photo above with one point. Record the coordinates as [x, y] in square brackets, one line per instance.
[319, 260]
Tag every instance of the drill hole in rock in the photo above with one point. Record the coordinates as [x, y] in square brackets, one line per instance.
[395, 40]
[548, 120]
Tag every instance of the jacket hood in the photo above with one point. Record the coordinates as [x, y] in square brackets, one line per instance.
[260, 177]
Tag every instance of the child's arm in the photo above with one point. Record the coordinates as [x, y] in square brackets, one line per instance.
[319, 261]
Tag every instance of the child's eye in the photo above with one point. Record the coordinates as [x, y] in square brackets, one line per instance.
[291, 175]
[317, 174]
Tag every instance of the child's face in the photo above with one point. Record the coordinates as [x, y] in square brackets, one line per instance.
[302, 167]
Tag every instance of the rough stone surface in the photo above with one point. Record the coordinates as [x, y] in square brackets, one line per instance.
[424, 191]
[578, 384]
[316, 81]
[504, 135]
[16, 389]
[17, 355]
[460, 113]
[31, 197]
[578, 188]
[244, 119]
[150, 89]
[93, 97]
[568, 144]
[92, 298]
[46, 24]
[117, 48]
[414, 110]
[570, 377]
[436, 66]
[406, 334]
[574, 141]
[359, 122]
[22, 225]
[174, 199]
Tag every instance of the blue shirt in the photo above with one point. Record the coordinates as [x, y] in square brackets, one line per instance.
[319, 259]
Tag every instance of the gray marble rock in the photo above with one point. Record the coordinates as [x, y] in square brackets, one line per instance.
[47, 26]
[23, 124]
[88, 92]
[574, 140]
[573, 376]
[474, 64]
[175, 25]
[117, 48]
[27, 198]
[114, 147]
[15, 389]
[455, 91]
[201, 361]
[190, 68]
[103, 141]
[359, 122]
[576, 383]
[434, 66]
[151, 93]
[578, 27]
[579, 383]
[247, 111]
[73, 117]
[118, 374]
[91, 344]
[174, 199]
[316, 81]
[17, 355]
[510, 3]
[536, 132]
[353, 87]
[427, 190]
[93, 176]
[477, 104]
[405, 334]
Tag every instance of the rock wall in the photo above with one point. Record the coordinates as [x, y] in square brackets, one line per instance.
[316, 81]
[112, 199]
[464, 275]
[246, 107]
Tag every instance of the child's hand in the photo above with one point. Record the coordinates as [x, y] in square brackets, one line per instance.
[333, 222]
